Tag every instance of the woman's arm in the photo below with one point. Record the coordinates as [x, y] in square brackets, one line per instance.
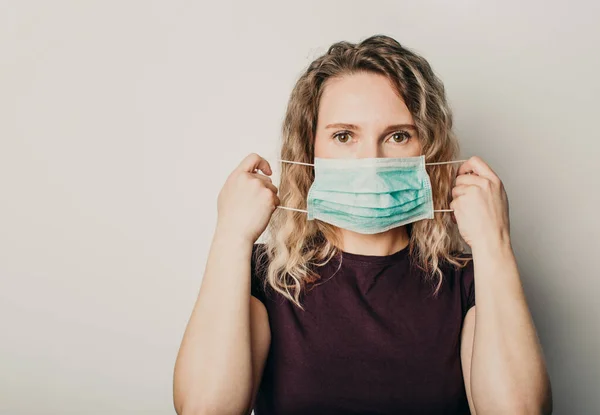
[223, 351]
[508, 373]
[227, 338]
[505, 364]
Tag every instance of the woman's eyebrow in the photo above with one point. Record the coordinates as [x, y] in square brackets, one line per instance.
[357, 128]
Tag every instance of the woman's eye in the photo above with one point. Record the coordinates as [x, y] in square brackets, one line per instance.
[342, 137]
[400, 137]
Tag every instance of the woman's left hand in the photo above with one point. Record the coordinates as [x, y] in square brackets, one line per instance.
[480, 205]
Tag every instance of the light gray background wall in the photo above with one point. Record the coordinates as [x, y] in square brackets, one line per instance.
[120, 120]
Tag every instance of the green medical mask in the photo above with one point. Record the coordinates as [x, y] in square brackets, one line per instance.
[370, 195]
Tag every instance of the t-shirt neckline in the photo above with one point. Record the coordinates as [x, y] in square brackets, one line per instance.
[375, 259]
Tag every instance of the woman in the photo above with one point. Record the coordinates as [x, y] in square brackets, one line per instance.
[367, 316]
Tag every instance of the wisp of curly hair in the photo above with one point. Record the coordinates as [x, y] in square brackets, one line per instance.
[294, 246]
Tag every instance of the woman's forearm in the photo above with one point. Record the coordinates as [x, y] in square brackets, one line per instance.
[213, 371]
[508, 373]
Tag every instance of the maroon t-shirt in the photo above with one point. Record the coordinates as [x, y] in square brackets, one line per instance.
[372, 340]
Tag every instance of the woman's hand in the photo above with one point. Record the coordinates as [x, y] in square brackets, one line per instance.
[247, 200]
[480, 206]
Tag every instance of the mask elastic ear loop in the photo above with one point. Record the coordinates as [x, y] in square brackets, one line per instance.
[437, 164]
[290, 208]
[296, 162]
[294, 209]
[445, 162]
[309, 164]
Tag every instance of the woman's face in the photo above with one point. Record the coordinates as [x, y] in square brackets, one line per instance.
[361, 116]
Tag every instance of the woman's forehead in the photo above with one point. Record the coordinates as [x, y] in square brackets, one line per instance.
[363, 99]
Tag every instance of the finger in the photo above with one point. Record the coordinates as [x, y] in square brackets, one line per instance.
[261, 177]
[465, 168]
[254, 162]
[273, 199]
[461, 190]
[453, 205]
[483, 169]
[272, 187]
[470, 179]
[476, 165]
[266, 181]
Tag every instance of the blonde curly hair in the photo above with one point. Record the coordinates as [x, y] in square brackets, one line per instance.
[294, 246]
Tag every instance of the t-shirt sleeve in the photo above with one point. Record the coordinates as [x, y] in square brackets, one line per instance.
[258, 272]
[467, 286]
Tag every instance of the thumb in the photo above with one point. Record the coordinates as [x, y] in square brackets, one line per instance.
[255, 162]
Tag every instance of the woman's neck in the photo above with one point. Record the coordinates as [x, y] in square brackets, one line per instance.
[381, 244]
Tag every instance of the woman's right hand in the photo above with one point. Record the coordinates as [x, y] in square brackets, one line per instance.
[247, 200]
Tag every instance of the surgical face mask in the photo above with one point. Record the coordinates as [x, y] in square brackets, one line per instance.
[370, 195]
